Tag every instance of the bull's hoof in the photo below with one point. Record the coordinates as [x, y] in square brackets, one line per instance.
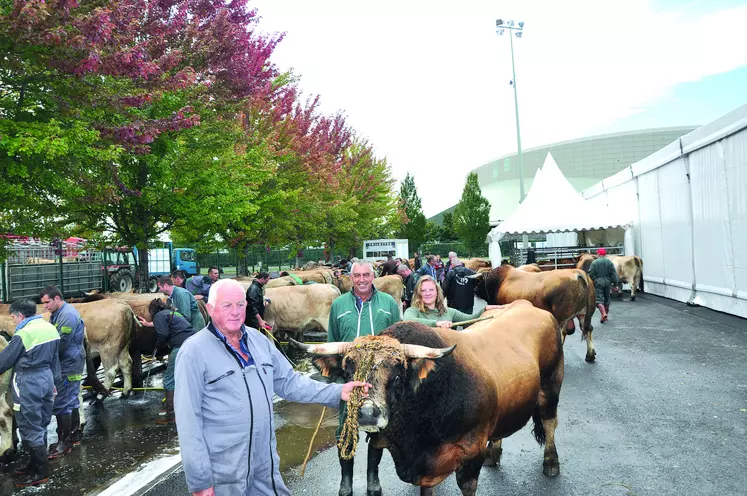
[374, 490]
[591, 357]
[632, 298]
[126, 394]
[345, 490]
[551, 469]
[489, 462]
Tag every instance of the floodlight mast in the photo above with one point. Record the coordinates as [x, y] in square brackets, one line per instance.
[517, 30]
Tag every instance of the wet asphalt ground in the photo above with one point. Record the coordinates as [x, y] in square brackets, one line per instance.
[119, 435]
[662, 411]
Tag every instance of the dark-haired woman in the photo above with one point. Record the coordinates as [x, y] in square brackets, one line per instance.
[172, 329]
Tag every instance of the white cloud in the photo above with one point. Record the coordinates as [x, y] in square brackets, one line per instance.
[427, 81]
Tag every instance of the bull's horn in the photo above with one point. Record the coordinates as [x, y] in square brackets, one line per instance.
[475, 276]
[338, 348]
[417, 351]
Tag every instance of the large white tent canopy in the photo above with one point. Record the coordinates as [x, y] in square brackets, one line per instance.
[553, 205]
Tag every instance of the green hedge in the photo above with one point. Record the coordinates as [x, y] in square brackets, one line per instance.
[443, 249]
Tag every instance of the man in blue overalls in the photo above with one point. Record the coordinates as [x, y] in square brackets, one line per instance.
[72, 355]
[33, 353]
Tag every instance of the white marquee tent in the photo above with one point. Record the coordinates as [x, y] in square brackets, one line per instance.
[689, 200]
[554, 206]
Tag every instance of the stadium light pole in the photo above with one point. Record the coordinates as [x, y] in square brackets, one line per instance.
[517, 30]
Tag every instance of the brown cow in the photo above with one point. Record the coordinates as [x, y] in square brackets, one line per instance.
[629, 270]
[294, 308]
[7, 444]
[455, 392]
[566, 293]
[477, 263]
[110, 328]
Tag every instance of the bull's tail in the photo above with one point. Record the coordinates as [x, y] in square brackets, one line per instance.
[134, 350]
[538, 431]
[591, 306]
[639, 263]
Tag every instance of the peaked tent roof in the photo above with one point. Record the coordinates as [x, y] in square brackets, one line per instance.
[553, 205]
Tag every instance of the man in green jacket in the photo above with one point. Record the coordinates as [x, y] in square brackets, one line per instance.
[604, 275]
[183, 301]
[362, 311]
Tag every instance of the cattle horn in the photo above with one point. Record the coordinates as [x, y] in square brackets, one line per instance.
[475, 276]
[338, 348]
[417, 351]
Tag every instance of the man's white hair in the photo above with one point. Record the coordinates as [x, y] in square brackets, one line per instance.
[452, 254]
[359, 263]
[213, 294]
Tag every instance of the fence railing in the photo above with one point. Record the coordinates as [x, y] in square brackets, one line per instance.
[559, 257]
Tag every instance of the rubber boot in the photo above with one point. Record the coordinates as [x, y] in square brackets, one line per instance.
[63, 446]
[373, 486]
[75, 431]
[53, 446]
[169, 418]
[40, 469]
[346, 482]
[26, 469]
[603, 311]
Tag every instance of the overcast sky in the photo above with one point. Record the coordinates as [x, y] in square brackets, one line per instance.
[427, 82]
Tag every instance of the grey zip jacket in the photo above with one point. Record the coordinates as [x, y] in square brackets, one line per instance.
[224, 413]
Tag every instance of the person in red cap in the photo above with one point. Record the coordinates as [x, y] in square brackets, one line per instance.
[604, 275]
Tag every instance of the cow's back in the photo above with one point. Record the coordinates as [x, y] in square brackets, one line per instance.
[391, 285]
[108, 323]
[292, 307]
[505, 356]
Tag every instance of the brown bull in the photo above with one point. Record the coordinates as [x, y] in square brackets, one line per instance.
[456, 392]
[629, 270]
[566, 293]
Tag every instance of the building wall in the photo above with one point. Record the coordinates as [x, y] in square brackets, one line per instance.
[584, 162]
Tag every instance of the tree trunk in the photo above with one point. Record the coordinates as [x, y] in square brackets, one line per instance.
[143, 268]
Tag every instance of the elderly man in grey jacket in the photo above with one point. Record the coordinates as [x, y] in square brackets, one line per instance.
[226, 376]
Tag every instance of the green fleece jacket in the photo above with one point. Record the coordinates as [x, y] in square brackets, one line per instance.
[430, 317]
[346, 322]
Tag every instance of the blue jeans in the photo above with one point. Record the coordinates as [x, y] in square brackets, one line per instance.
[168, 377]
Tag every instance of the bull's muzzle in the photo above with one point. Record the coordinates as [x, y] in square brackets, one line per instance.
[370, 418]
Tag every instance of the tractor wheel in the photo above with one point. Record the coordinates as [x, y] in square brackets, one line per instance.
[121, 281]
[153, 285]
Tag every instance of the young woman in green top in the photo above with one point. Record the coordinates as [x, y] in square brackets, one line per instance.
[428, 306]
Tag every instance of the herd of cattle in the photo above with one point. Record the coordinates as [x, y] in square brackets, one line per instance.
[521, 340]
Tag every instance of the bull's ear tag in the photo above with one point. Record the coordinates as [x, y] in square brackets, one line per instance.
[358, 345]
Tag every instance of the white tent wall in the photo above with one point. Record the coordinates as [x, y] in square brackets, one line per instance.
[691, 203]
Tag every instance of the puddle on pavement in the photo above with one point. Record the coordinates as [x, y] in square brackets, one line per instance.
[295, 424]
[120, 435]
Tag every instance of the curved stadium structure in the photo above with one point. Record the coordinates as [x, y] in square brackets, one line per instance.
[584, 161]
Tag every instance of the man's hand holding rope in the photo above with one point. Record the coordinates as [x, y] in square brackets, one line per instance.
[347, 389]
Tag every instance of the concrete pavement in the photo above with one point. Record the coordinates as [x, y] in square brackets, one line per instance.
[662, 411]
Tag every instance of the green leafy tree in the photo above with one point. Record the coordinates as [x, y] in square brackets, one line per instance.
[433, 232]
[472, 216]
[413, 226]
[447, 225]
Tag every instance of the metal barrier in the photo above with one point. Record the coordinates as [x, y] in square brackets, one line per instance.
[560, 257]
[33, 264]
